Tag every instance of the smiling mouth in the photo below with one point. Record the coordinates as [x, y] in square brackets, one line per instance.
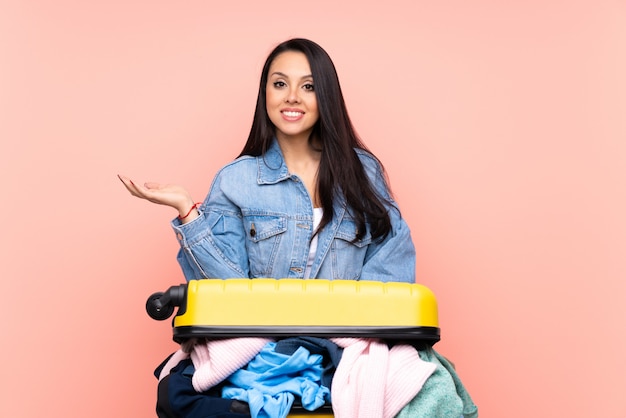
[292, 114]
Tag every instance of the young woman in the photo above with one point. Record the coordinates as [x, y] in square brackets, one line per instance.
[305, 199]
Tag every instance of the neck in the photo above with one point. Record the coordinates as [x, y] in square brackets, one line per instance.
[303, 160]
[299, 149]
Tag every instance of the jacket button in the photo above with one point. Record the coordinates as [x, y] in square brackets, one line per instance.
[252, 231]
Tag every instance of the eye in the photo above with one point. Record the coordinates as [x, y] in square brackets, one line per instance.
[309, 87]
[279, 84]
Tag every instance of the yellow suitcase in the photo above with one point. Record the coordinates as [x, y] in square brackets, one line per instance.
[216, 308]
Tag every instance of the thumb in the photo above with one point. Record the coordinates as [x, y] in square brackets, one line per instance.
[152, 185]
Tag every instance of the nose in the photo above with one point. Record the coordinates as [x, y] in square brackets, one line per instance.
[293, 95]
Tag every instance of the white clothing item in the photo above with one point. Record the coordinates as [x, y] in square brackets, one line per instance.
[317, 218]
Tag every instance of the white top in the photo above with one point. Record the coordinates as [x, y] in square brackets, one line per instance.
[317, 218]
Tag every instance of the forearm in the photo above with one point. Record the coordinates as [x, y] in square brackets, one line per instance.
[188, 211]
[211, 246]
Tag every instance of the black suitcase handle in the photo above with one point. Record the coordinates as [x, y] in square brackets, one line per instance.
[160, 305]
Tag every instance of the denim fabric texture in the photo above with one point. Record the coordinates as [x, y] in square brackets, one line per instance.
[257, 222]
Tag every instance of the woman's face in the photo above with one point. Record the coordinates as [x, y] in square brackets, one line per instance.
[290, 96]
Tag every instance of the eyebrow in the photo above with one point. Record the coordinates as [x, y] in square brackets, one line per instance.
[278, 73]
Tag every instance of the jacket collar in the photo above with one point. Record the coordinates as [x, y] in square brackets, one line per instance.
[271, 166]
[272, 169]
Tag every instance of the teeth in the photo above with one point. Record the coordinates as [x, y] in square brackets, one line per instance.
[292, 114]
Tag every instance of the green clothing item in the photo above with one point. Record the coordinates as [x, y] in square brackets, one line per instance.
[443, 394]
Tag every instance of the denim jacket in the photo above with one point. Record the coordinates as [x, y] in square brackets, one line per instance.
[257, 222]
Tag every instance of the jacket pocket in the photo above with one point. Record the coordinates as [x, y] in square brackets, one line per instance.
[263, 237]
[347, 254]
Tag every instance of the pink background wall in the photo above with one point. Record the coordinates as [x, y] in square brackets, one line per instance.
[502, 125]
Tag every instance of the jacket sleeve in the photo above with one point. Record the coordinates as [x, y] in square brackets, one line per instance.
[392, 259]
[213, 245]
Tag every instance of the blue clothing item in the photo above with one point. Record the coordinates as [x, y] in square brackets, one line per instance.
[270, 382]
[257, 221]
[331, 353]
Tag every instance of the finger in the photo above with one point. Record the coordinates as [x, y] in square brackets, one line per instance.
[126, 182]
[149, 191]
[131, 187]
[152, 185]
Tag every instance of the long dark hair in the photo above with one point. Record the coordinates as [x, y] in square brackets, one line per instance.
[340, 169]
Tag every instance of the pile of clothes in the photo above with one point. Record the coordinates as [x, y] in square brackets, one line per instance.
[261, 377]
